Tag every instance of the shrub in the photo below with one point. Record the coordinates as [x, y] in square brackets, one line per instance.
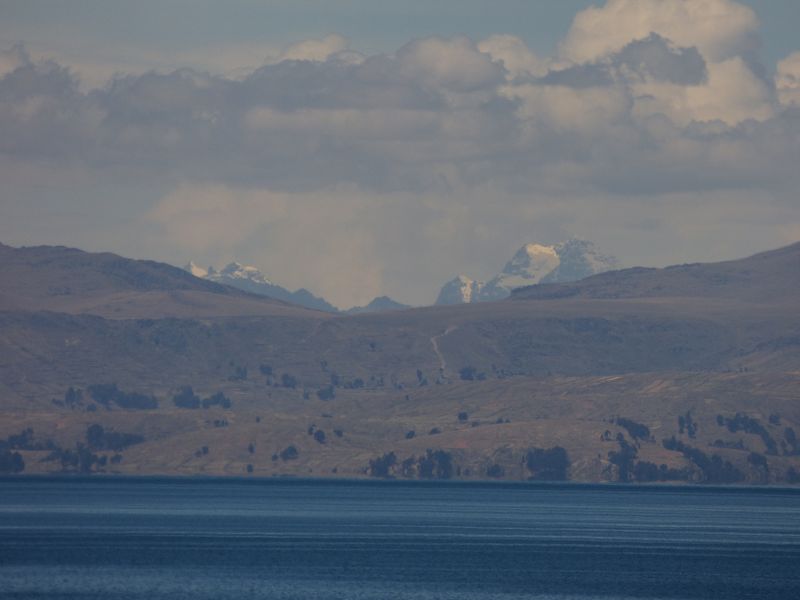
[381, 467]
[549, 464]
[98, 438]
[186, 398]
[11, 462]
[289, 453]
[218, 399]
[634, 429]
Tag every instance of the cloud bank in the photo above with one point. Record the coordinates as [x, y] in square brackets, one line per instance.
[653, 131]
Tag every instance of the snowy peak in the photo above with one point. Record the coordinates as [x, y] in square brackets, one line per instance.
[237, 270]
[529, 265]
[461, 290]
[566, 261]
[579, 259]
[250, 279]
[196, 270]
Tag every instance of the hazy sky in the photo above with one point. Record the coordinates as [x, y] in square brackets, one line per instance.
[360, 148]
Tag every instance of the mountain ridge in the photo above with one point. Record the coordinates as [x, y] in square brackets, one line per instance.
[533, 263]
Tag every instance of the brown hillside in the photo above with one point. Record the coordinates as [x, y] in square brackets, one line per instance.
[768, 277]
[478, 385]
[68, 280]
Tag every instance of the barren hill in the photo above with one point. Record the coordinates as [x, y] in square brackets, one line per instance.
[69, 280]
[769, 277]
[689, 373]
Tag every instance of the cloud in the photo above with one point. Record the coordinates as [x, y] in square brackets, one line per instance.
[514, 54]
[356, 175]
[314, 50]
[787, 80]
[719, 29]
[13, 58]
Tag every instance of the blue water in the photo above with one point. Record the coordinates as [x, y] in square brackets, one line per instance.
[167, 538]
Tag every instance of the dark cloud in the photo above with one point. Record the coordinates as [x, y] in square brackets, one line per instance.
[655, 57]
[436, 110]
[652, 58]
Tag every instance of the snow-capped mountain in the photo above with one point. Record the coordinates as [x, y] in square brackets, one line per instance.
[250, 279]
[571, 260]
[460, 290]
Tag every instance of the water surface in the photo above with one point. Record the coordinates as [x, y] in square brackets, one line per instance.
[282, 539]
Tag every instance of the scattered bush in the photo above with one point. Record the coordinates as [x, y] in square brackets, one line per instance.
[289, 453]
[623, 459]
[381, 467]
[549, 464]
[186, 398]
[107, 393]
[645, 471]
[742, 422]
[686, 424]
[636, 430]
[436, 464]
[98, 438]
[218, 399]
[11, 462]
[713, 469]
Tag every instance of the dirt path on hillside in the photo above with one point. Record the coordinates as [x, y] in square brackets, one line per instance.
[435, 344]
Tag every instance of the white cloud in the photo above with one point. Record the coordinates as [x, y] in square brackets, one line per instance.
[787, 80]
[13, 58]
[455, 64]
[719, 28]
[515, 55]
[316, 50]
[732, 94]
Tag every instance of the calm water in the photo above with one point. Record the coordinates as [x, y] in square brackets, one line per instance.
[154, 539]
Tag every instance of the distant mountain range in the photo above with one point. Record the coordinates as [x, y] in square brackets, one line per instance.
[567, 261]
[250, 279]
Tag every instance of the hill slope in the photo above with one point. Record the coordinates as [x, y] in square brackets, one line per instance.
[68, 280]
[768, 277]
[696, 368]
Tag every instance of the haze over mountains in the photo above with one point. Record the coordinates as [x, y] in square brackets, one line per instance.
[566, 261]
[689, 373]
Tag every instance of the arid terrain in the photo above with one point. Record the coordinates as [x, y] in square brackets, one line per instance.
[685, 374]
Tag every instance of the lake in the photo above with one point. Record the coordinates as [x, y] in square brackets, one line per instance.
[153, 538]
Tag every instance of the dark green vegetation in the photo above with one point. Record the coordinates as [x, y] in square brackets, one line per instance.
[685, 374]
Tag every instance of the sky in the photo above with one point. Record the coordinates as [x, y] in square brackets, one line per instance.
[360, 148]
